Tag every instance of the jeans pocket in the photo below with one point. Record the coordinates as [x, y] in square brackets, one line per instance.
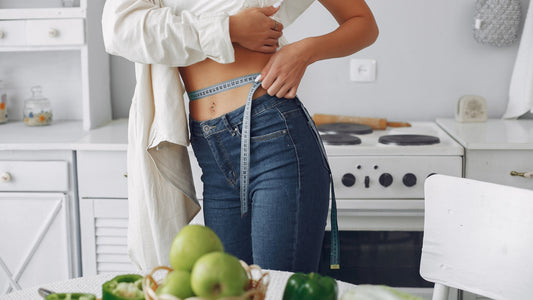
[267, 125]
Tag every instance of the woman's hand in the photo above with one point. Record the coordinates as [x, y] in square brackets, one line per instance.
[282, 74]
[253, 29]
[357, 30]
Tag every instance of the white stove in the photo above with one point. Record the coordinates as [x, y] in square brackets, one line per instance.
[380, 203]
[380, 186]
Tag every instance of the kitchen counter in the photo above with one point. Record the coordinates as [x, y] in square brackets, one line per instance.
[64, 135]
[498, 151]
[110, 137]
[60, 135]
[493, 134]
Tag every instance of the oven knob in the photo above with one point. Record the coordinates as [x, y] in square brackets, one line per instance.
[409, 179]
[385, 179]
[348, 179]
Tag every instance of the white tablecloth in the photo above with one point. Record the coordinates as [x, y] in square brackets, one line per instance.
[93, 285]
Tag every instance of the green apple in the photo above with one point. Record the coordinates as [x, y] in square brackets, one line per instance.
[217, 275]
[190, 243]
[176, 283]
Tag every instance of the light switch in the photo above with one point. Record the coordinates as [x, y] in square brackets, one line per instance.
[363, 70]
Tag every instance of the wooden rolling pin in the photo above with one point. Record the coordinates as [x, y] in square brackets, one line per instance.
[374, 123]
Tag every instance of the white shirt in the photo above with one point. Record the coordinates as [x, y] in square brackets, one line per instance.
[160, 35]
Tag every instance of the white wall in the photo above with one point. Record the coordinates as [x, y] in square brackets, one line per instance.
[426, 59]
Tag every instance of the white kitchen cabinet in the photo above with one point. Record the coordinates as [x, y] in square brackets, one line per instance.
[102, 181]
[103, 198]
[103, 201]
[60, 49]
[494, 149]
[38, 215]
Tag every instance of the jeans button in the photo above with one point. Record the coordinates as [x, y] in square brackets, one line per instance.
[206, 128]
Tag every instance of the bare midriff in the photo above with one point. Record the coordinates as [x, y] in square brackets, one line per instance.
[209, 72]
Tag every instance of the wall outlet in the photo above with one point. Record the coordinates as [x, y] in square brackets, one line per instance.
[363, 70]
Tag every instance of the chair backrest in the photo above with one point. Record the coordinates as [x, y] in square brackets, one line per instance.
[478, 237]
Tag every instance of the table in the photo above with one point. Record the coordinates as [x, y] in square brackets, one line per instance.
[93, 285]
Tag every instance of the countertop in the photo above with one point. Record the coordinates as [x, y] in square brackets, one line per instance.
[494, 134]
[64, 135]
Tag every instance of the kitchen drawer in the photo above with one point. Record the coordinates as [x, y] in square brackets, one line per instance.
[102, 174]
[55, 32]
[496, 165]
[13, 33]
[34, 176]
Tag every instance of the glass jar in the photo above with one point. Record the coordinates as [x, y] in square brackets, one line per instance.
[3, 103]
[37, 109]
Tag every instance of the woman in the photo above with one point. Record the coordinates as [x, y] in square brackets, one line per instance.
[266, 184]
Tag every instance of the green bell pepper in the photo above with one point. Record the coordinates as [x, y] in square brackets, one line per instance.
[123, 287]
[70, 296]
[310, 286]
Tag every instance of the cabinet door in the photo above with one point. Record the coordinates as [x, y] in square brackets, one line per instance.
[104, 231]
[104, 235]
[34, 240]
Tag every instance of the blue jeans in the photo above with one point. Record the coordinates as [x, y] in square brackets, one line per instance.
[288, 191]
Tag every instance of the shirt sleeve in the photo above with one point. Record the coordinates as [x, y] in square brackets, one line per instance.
[291, 9]
[145, 33]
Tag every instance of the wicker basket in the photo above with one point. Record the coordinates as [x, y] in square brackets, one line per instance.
[259, 280]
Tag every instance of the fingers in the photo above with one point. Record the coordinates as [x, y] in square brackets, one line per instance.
[281, 89]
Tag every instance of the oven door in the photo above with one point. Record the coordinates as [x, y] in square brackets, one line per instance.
[380, 243]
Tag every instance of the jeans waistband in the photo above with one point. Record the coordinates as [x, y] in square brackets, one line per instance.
[224, 122]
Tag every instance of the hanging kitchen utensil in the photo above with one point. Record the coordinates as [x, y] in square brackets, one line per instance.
[497, 22]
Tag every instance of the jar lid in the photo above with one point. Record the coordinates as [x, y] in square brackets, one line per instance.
[37, 93]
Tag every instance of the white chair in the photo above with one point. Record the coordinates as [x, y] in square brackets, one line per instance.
[478, 237]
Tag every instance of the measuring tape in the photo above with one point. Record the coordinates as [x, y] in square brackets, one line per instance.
[245, 151]
[334, 260]
[245, 148]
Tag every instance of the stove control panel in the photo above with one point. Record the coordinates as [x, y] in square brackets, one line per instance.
[388, 177]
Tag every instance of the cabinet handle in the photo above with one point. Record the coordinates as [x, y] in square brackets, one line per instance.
[5, 177]
[2, 34]
[52, 33]
[522, 174]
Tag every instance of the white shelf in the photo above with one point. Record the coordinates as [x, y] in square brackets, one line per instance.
[45, 28]
[43, 13]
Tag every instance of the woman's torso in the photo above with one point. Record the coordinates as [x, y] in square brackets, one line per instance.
[209, 72]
